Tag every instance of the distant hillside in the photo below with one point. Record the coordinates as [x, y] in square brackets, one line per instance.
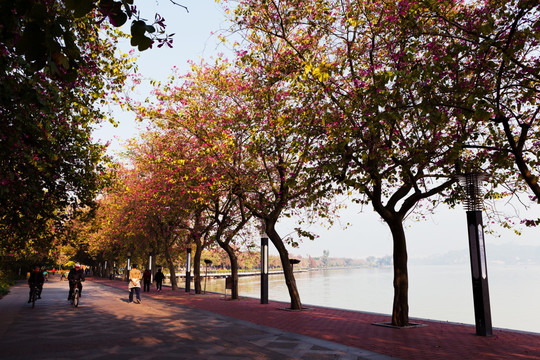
[505, 253]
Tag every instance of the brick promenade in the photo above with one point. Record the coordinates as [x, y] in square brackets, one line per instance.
[180, 325]
[437, 340]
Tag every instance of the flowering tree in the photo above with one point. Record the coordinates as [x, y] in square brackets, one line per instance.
[505, 34]
[392, 130]
[277, 176]
[49, 164]
[137, 220]
[48, 34]
[231, 219]
[239, 118]
[179, 185]
[58, 64]
[218, 218]
[153, 203]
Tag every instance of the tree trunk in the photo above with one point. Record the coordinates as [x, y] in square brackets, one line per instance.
[234, 268]
[517, 151]
[197, 268]
[172, 269]
[296, 304]
[400, 310]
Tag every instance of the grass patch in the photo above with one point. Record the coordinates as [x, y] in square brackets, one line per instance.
[6, 281]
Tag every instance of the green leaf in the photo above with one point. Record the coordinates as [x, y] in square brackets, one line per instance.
[32, 43]
[138, 28]
[118, 19]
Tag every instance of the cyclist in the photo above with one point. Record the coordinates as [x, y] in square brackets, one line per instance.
[75, 277]
[36, 280]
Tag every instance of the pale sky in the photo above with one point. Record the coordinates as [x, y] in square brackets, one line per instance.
[196, 38]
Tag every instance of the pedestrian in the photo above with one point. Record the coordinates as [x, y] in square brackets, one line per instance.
[36, 280]
[135, 284]
[159, 279]
[53, 271]
[147, 279]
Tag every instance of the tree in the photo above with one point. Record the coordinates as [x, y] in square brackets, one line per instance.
[238, 114]
[505, 34]
[177, 186]
[324, 258]
[230, 218]
[151, 204]
[49, 164]
[48, 36]
[58, 65]
[215, 219]
[389, 132]
[220, 217]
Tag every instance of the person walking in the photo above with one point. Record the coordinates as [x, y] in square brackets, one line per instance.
[159, 279]
[147, 279]
[135, 284]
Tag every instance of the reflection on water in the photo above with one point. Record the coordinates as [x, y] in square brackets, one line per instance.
[435, 292]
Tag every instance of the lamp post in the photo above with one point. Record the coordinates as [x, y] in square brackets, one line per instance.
[473, 205]
[188, 270]
[264, 269]
[207, 262]
[128, 265]
[150, 264]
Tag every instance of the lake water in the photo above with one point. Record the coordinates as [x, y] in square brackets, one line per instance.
[435, 292]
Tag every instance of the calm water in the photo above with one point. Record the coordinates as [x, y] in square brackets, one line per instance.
[435, 292]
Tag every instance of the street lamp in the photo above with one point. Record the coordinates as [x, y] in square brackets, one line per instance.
[473, 205]
[264, 267]
[128, 265]
[150, 264]
[207, 262]
[188, 270]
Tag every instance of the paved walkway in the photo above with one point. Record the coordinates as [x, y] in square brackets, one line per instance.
[184, 325]
[106, 326]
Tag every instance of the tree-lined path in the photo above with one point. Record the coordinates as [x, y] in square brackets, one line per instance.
[180, 325]
[106, 326]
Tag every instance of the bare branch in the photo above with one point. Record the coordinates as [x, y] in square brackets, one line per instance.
[182, 6]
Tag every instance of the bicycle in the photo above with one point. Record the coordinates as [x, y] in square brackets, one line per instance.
[34, 295]
[76, 295]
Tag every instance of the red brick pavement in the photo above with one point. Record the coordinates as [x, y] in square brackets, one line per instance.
[437, 340]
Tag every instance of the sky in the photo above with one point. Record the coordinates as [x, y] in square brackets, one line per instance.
[195, 39]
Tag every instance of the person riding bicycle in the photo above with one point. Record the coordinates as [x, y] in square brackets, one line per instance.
[75, 277]
[36, 280]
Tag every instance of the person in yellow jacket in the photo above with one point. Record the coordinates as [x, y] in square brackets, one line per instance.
[135, 284]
